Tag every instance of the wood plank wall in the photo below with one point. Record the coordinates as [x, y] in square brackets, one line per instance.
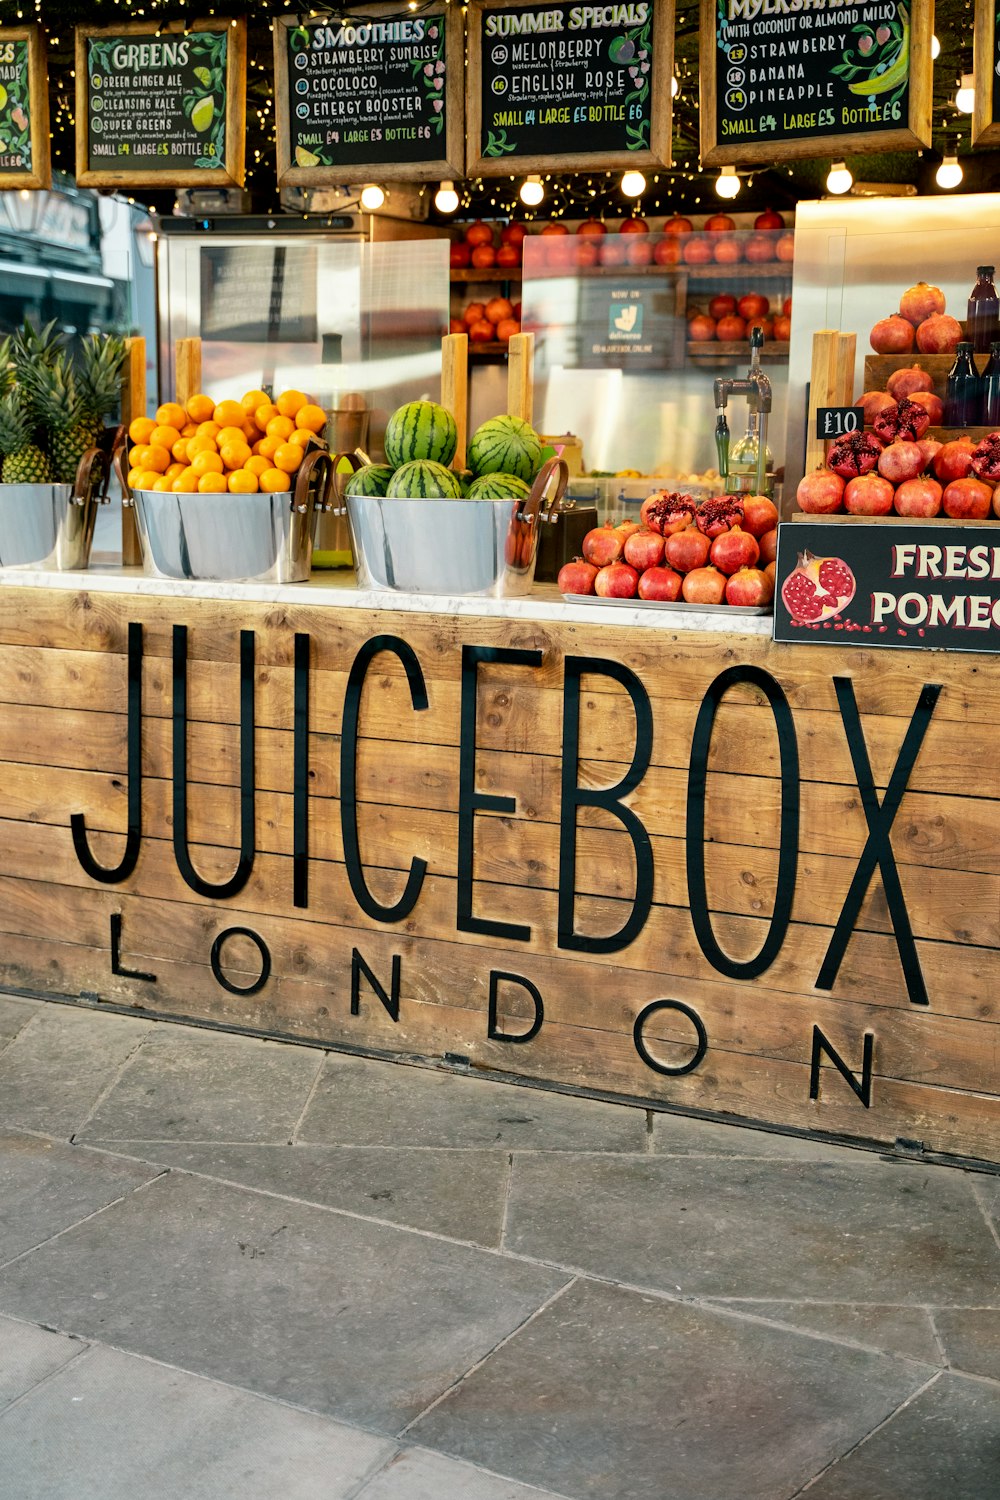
[772, 1040]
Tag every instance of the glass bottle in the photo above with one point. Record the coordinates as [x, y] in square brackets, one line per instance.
[963, 401]
[991, 387]
[984, 311]
[743, 454]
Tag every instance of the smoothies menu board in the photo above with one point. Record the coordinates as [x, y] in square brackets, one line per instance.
[24, 128]
[821, 77]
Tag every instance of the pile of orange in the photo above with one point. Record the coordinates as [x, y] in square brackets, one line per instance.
[237, 447]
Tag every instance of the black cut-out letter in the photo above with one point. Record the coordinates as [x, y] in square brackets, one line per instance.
[300, 773]
[133, 838]
[609, 798]
[116, 953]
[493, 1031]
[821, 1045]
[265, 960]
[646, 1055]
[391, 1000]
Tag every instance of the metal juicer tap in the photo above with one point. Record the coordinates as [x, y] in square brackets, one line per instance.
[757, 388]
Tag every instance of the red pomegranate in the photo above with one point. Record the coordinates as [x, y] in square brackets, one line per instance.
[513, 234]
[986, 459]
[857, 453]
[483, 257]
[616, 581]
[872, 402]
[769, 546]
[625, 529]
[753, 306]
[920, 302]
[967, 500]
[704, 586]
[759, 248]
[940, 334]
[667, 252]
[868, 495]
[718, 514]
[769, 220]
[687, 550]
[587, 251]
[555, 229]
[760, 515]
[638, 250]
[820, 493]
[954, 459]
[479, 233]
[603, 545]
[918, 497]
[722, 306]
[908, 422]
[459, 255]
[929, 447]
[730, 330]
[644, 549]
[785, 248]
[719, 224]
[750, 588]
[783, 329]
[817, 588]
[697, 251]
[576, 577]
[614, 250]
[633, 226]
[906, 382]
[666, 513]
[726, 251]
[660, 583]
[932, 405]
[892, 335]
[734, 549]
[678, 225]
[901, 461]
[786, 307]
[701, 329]
[509, 256]
[481, 332]
[592, 226]
[456, 325]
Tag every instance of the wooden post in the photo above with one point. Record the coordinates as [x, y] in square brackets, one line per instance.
[821, 391]
[187, 369]
[455, 389]
[521, 376]
[133, 405]
[843, 374]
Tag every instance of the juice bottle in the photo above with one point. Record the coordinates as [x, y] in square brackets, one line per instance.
[984, 311]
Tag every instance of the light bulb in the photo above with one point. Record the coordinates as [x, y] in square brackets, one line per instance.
[727, 184]
[965, 99]
[839, 179]
[372, 197]
[446, 199]
[935, 49]
[633, 184]
[949, 173]
[532, 192]
[675, 87]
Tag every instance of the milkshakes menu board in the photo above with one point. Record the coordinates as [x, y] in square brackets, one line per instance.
[161, 106]
[375, 95]
[568, 86]
[796, 78]
[24, 111]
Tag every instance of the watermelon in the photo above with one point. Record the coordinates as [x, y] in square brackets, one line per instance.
[506, 445]
[420, 429]
[370, 479]
[424, 480]
[498, 487]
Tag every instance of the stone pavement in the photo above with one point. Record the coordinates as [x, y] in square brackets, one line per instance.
[230, 1267]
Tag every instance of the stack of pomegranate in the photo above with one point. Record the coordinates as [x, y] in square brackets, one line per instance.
[718, 242]
[896, 469]
[488, 322]
[719, 552]
[477, 251]
[921, 321]
[730, 319]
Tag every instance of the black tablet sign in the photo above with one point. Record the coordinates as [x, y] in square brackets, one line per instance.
[810, 72]
[566, 80]
[157, 102]
[15, 109]
[626, 325]
[837, 421]
[367, 90]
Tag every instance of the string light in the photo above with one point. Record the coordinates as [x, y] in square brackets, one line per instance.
[965, 98]
[633, 184]
[935, 49]
[727, 184]
[372, 197]
[949, 174]
[532, 192]
[446, 199]
[839, 179]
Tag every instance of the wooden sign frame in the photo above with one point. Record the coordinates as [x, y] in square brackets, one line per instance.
[450, 165]
[40, 175]
[660, 104]
[915, 134]
[232, 172]
[985, 130]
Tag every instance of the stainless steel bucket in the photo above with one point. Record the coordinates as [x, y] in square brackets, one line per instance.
[451, 547]
[52, 525]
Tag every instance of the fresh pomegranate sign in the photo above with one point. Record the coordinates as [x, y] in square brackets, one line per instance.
[932, 586]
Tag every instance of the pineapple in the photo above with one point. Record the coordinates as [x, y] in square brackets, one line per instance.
[72, 405]
[23, 462]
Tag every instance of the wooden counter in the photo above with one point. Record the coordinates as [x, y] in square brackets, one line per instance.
[490, 914]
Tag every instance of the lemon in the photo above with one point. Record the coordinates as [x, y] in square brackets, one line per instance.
[203, 76]
[304, 158]
[203, 114]
[3, 96]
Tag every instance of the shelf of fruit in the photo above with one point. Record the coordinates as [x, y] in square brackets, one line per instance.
[491, 273]
[725, 353]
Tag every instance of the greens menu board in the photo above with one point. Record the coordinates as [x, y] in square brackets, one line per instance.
[779, 83]
[161, 106]
[986, 66]
[568, 86]
[376, 95]
[24, 109]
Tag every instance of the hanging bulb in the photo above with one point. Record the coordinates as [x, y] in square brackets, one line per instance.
[633, 184]
[446, 199]
[949, 173]
[532, 191]
[675, 87]
[727, 184]
[839, 179]
[965, 99]
[372, 197]
[935, 49]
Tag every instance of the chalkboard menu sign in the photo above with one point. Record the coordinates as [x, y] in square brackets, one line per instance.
[568, 86]
[779, 83]
[161, 106]
[25, 160]
[259, 294]
[375, 92]
[986, 54]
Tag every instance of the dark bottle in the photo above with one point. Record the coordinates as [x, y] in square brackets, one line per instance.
[964, 399]
[991, 388]
[984, 311]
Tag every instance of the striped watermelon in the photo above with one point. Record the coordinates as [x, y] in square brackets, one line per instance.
[498, 487]
[420, 429]
[370, 479]
[424, 480]
[506, 445]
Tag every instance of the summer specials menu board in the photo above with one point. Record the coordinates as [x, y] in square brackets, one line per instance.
[161, 106]
[24, 109]
[568, 86]
[986, 51]
[379, 94]
[782, 79]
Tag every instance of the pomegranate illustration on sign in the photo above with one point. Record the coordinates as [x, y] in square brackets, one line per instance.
[817, 589]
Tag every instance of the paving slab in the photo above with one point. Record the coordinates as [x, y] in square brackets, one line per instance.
[613, 1393]
[54, 1071]
[873, 1231]
[460, 1195]
[945, 1445]
[363, 1321]
[677, 1135]
[195, 1085]
[28, 1355]
[46, 1186]
[896, 1330]
[418, 1475]
[112, 1427]
[364, 1103]
[14, 1016]
[971, 1338]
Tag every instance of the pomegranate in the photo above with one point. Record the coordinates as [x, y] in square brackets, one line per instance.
[576, 577]
[592, 226]
[750, 588]
[667, 252]
[555, 229]
[731, 330]
[687, 550]
[770, 570]
[820, 493]
[638, 250]
[817, 588]
[857, 453]
[932, 405]
[513, 234]
[901, 461]
[753, 306]
[719, 224]
[920, 302]
[678, 225]
[726, 251]
[905, 382]
[697, 251]
[474, 313]
[616, 581]
[786, 307]
[459, 256]
[954, 459]
[769, 220]
[759, 248]
[967, 500]
[907, 421]
[509, 256]
[633, 226]
[760, 515]
[722, 306]
[868, 495]
[455, 325]
[734, 549]
[718, 515]
[484, 256]
[660, 583]
[704, 586]
[701, 329]
[872, 402]
[939, 334]
[986, 459]
[614, 251]
[667, 513]
[785, 248]
[918, 497]
[769, 546]
[499, 308]
[892, 335]
[644, 549]
[587, 252]
[625, 529]
[479, 234]
[481, 332]
[766, 326]
[603, 545]
[929, 447]
[783, 329]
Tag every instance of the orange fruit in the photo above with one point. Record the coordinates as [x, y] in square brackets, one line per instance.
[264, 413]
[274, 482]
[280, 427]
[163, 483]
[200, 407]
[186, 483]
[269, 446]
[180, 450]
[234, 455]
[251, 431]
[155, 457]
[133, 476]
[252, 400]
[165, 437]
[171, 415]
[213, 484]
[174, 471]
[257, 465]
[313, 417]
[243, 482]
[201, 445]
[208, 429]
[206, 463]
[189, 429]
[146, 479]
[229, 414]
[302, 436]
[289, 402]
[288, 457]
[141, 430]
[230, 435]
